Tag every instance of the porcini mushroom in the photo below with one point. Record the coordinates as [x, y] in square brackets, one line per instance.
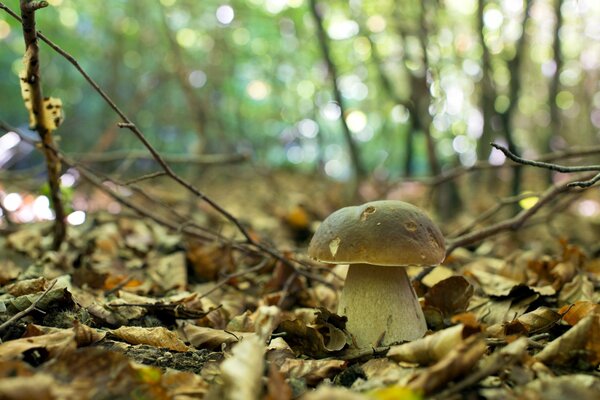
[379, 239]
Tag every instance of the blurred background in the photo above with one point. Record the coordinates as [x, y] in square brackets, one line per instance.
[390, 90]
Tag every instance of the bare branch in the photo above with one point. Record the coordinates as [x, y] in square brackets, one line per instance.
[554, 167]
[29, 309]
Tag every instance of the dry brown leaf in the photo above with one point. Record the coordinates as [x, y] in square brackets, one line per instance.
[429, 349]
[169, 272]
[579, 289]
[315, 341]
[578, 386]
[39, 386]
[450, 296]
[202, 337]
[242, 372]
[579, 344]
[573, 313]
[157, 337]
[27, 286]
[209, 261]
[536, 321]
[383, 372]
[9, 271]
[456, 363]
[182, 385]
[93, 372]
[315, 334]
[277, 387]
[333, 393]
[55, 344]
[312, 371]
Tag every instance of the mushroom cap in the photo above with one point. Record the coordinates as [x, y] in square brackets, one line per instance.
[385, 232]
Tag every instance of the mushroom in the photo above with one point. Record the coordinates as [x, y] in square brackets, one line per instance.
[379, 239]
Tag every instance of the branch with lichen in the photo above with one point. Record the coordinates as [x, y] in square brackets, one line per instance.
[45, 113]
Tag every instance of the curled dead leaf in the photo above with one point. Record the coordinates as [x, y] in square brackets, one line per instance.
[573, 313]
[202, 337]
[429, 349]
[579, 344]
[312, 371]
[456, 363]
[242, 372]
[157, 337]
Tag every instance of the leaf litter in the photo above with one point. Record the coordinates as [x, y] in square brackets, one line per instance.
[137, 311]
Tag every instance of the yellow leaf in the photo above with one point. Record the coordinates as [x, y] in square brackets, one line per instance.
[394, 393]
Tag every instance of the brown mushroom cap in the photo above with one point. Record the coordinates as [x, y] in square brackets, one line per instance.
[385, 232]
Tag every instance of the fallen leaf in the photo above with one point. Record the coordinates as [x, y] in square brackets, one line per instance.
[58, 342]
[579, 289]
[539, 320]
[333, 393]
[27, 286]
[450, 296]
[577, 386]
[242, 372]
[312, 371]
[580, 344]
[169, 272]
[157, 337]
[202, 337]
[277, 388]
[573, 313]
[456, 363]
[429, 349]
[394, 393]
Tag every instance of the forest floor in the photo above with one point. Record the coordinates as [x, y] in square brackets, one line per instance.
[127, 308]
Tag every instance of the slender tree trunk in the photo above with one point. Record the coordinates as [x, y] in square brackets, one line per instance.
[359, 169]
[34, 96]
[555, 120]
[514, 66]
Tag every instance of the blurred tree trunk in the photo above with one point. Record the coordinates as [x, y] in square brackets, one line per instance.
[445, 196]
[514, 67]
[359, 169]
[488, 92]
[195, 106]
[555, 120]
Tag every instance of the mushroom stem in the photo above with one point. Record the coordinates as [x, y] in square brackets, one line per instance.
[381, 306]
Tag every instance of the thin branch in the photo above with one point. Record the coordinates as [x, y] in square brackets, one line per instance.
[29, 309]
[144, 178]
[237, 274]
[205, 159]
[490, 212]
[511, 224]
[554, 167]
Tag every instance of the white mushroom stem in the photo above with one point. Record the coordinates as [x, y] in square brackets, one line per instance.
[381, 306]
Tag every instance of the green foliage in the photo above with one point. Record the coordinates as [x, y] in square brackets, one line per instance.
[255, 77]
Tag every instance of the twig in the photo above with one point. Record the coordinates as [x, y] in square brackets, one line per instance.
[29, 309]
[119, 286]
[237, 274]
[491, 211]
[34, 99]
[205, 159]
[286, 288]
[546, 165]
[574, 152]
[144, 178]
[510, 224]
